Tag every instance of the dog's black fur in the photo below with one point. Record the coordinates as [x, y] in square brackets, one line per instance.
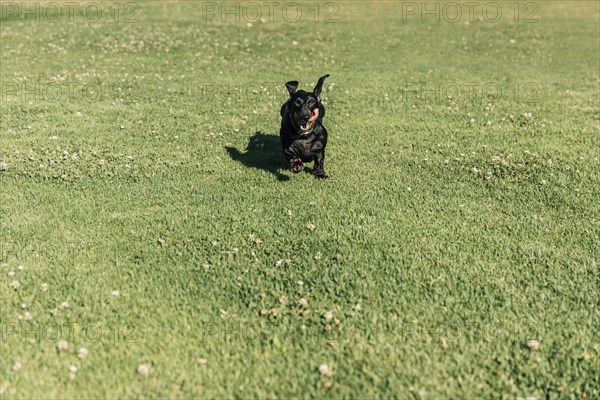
[303, 136]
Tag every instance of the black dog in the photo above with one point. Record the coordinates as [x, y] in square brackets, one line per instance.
[303, 136]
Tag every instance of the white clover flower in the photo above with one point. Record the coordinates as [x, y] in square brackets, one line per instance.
[16, 366]
[82, 353]
[303, 302]
[533, 345]
[115, 293]
[143, 370]
[15, 285]
[62, 345]
[311, 226]
[328, 315]
[44, 287]
[324, 369]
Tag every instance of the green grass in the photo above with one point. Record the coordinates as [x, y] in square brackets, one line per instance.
[439, 225]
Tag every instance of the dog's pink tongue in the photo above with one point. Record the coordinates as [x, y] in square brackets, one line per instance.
[314, 117]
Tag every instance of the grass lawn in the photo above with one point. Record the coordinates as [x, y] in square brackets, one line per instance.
[147, 214]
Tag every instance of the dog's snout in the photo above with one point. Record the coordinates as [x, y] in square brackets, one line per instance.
[305, 115]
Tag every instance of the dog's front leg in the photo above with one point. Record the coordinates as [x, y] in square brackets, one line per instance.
[296, 165]
[295, 161]
[318, 171]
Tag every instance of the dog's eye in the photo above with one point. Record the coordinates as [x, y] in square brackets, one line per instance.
[311, 102]
[298, 102]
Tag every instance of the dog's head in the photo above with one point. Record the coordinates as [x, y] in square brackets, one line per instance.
[304, 106]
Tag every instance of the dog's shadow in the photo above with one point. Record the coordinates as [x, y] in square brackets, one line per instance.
[263, 152]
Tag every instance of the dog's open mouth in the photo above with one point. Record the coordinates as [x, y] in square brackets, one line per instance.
[311, 122]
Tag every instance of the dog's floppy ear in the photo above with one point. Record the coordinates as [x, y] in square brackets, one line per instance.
[292, 86]
[317, 89]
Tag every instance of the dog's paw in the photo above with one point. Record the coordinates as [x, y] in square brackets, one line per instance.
[296, 166]
[319, 174]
